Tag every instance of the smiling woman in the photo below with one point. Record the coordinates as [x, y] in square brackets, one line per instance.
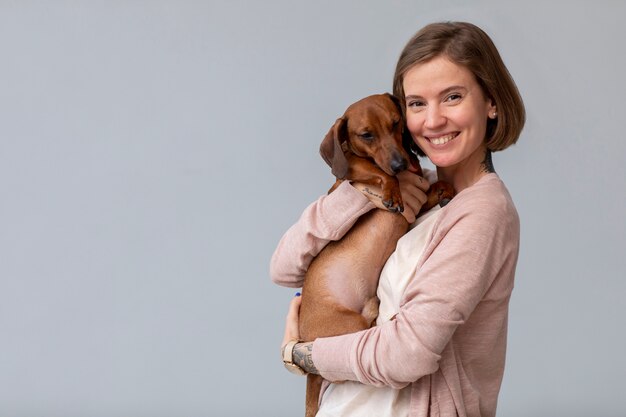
[471, 49]
[439, 343]
[447, 116]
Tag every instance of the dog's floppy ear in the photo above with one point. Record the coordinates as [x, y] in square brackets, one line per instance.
[413, 150]
[396, 101]
[331, 151]
[409, 144]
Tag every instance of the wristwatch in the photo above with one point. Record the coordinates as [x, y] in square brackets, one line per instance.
[288, 359]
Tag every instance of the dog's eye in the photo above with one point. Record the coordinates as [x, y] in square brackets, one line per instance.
[366, 136]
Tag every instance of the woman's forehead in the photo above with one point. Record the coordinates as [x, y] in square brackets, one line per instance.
[435, 76]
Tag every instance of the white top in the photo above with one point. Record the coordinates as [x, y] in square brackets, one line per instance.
[353, 399]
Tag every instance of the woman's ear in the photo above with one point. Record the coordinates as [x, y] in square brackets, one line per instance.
[492, 110]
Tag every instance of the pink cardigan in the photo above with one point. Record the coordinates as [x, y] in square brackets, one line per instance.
[449, 339]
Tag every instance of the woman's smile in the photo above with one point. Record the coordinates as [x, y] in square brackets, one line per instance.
[438, 140]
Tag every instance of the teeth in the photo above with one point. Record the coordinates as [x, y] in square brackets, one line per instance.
[441, 140]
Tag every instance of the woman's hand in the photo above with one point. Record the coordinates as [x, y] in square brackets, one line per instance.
[302, 352]
[292, 331]
[412, 187]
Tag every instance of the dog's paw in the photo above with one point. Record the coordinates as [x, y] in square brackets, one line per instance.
[393, 202]
[393, 207]
[370, 310]
[444, 192]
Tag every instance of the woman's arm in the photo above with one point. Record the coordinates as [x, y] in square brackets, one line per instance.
[301, 352]
[325, 220]
[466, 256]
[329, 218]
[305, 240]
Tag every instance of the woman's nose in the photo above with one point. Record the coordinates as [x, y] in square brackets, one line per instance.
[434, 118]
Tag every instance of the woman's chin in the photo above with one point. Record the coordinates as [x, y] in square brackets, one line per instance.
[441, 162]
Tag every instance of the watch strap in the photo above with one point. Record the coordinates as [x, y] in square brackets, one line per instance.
[288, 359]
[288, 351]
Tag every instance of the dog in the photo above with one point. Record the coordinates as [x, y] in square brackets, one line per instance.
[368, 144]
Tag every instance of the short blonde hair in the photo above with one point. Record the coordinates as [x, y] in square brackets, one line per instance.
[467, 45]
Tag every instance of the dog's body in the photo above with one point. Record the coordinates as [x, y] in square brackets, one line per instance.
[339, 293]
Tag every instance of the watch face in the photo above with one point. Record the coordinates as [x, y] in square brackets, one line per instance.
[294, 369]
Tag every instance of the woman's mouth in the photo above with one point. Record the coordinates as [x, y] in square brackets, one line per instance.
[441, 140]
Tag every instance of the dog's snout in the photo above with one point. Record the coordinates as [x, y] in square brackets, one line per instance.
[399, 164]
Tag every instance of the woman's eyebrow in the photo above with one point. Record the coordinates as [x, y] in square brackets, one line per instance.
[452, 88]
[441, 93]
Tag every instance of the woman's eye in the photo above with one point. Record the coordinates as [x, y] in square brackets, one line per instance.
[415, 103]
[453, 97]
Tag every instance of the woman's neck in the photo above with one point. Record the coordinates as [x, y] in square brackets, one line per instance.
[467, 172]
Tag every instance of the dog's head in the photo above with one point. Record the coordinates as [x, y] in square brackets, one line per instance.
[371, 128]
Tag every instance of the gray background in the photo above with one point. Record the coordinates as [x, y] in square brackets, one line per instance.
[152, 153]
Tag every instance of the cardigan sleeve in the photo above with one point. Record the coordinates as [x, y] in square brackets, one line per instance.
[461, 262]
[325, 220]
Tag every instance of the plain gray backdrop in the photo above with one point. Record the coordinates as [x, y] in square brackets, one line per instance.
[152, 153]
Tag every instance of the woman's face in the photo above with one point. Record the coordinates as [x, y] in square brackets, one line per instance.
[447, 112]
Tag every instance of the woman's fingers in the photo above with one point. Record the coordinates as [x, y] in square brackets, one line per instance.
[411, 178]
[412, 188]
[292, 331]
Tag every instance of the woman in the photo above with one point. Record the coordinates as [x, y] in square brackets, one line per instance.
[440, 340]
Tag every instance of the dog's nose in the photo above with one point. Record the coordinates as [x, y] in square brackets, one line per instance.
[399, 164]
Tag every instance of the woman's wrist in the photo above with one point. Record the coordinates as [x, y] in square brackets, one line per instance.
[373, 194]
[303, 357]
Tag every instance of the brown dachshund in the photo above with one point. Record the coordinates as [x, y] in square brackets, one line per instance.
[366, 145]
